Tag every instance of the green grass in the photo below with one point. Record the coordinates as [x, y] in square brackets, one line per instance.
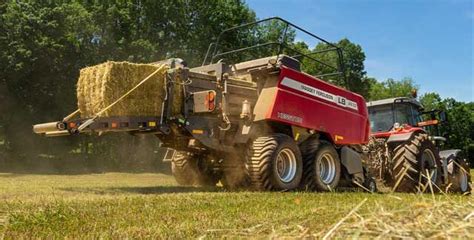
[120, 205]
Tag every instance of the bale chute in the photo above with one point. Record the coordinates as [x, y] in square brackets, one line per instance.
[101, 85]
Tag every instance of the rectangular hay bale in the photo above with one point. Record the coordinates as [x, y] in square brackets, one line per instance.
[100, 85]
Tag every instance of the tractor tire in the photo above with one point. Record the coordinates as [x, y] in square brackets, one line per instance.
[274, 163]
[188, 172]
[461, 178]
[410, 161]
[322, 170]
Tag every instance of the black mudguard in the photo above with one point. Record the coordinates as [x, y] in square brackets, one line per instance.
[351, 160]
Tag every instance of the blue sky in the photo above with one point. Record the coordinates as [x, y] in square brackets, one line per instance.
[430, 41]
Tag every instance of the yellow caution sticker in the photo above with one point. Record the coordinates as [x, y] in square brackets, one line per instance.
[297, 136]
[152, 124]
[198, 131]
[338, 137]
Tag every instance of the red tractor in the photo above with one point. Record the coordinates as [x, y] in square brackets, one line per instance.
[261, 123]
[405, 155]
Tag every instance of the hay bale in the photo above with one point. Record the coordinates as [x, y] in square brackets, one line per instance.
[101, 85]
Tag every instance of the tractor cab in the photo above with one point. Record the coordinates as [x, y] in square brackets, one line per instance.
[391, 113]
[403, 114]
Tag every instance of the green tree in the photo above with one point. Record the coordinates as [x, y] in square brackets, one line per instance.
[391, 88]
[263, 40]
[355, 78]
[42, 47]
[459, 130]
[432, 101]
[43, 44]
[144, 31]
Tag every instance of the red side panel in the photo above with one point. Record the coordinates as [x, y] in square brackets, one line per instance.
[308, 102]
[405, 128]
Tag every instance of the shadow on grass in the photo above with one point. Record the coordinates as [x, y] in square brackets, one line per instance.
[142, 190]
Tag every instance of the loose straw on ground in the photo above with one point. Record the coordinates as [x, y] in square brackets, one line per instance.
[431, 186]
[400, 179]
[328, 234]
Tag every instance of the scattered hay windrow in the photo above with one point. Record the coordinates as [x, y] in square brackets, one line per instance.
[411, 220]
[102, 84]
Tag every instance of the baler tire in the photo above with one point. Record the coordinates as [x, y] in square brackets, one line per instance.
[187, 172]
[309, 147]
[263, 166]
[409, 166]
[461, 178]
[312, 169]
[181, 170]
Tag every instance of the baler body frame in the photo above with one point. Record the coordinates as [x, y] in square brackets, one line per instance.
[247, 103]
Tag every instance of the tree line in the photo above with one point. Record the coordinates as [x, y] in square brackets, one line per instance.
[44, 44]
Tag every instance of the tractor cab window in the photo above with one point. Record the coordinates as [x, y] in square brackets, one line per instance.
[383, 117]
[404, 114]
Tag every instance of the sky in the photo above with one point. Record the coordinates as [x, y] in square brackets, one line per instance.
[430, 41]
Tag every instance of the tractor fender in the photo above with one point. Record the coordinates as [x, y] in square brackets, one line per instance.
[447, 154]
[351, 160]
[400, 137]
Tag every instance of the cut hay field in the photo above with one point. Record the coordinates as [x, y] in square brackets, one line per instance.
[121, 205]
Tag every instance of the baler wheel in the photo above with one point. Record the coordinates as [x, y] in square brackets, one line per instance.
[274, 163]
[322, 169]
[411, 160]
[188, 172]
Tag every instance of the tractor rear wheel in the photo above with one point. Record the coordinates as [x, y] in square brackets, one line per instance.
[322, 170]
[415, 163]
[274, 163]
[189, 171]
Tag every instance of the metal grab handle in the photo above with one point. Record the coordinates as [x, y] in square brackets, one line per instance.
[68, 117]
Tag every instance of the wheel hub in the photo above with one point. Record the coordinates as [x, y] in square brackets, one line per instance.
[286, 165]
[327, 169]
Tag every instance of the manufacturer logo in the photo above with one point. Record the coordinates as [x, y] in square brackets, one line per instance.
[339, 100]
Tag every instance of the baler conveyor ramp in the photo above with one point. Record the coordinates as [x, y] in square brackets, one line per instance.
[105, 124]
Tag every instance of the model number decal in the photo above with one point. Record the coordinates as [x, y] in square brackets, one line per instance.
[339, 100]
[289, 117]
